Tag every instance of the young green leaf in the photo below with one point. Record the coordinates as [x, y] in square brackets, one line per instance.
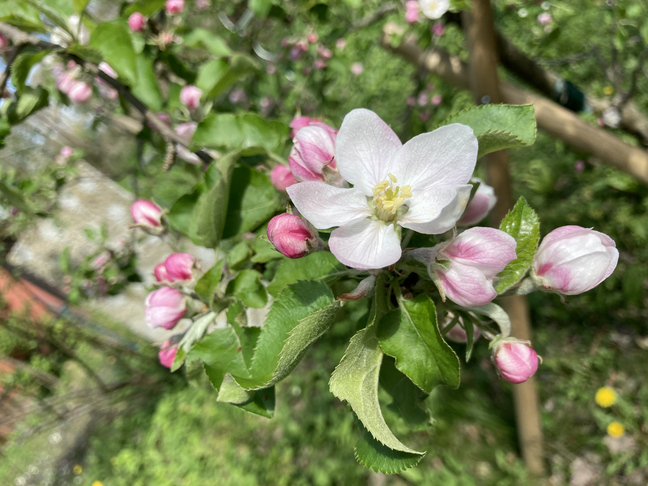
[245, 131]
[80, 5]
[521, 223]
[248, 288]
[499, 127]
[314, 266]
[195, 333]
[113, 41]
[29, 102]
[23, 65]
[145, 7]
[147, 88]
[220, 352]
[258, 402]
[408, 401]
[411, 335]
[206, 286]
[210, 41]
[372, 454]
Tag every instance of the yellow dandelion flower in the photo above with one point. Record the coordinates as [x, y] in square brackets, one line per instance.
[605, 397]
[77, 469]
[616, 430]
[97, 483]
[608, 90]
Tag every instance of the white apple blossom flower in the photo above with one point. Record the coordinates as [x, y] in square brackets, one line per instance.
[421, 185]
[434, 9]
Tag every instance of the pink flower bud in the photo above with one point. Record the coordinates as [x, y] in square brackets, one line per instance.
[4, 42]
[105, 67]
[101, 260]
[579, 166]
[319, 64]
[296, 53]
[271, 69]
[438, 29]
[66, 152]
[136, 22]
[340, 43]
[202, 4]
[190, 97]
[314, 149]
[174, 7]
[186, 131]
[80, 92]
[411, 101]
[423, 99]
[572, 260]
[147, 214]
[482, 202]
[516, 360]
[412, 11]
[312, 38]
[300, 122]
[544, 18]
[474, 259]
[161, 274]
[164, 307]
[167, 353]
[281, 177]
[437, 100]
[179, 266]
[291, 235]
[325, 52]
[357, 68]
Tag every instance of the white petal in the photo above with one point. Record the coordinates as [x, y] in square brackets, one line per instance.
[436, 211]
[366, 245]
[364, 149]
[327, 206]
[444, 157]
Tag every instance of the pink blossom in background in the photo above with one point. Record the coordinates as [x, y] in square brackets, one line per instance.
[572, 260]
[544, 18]
[313, 150]
[285, 42]
[312, 38]
[579, 166]
[291, 235]
[357, 68]
[4, 42]
[516, 361]
[475, 257]
[164, 307]
[146, 214]
[166, 38]
[238, 96]
[422, 99]
[66, 152]
[179, 266]
[482, 202]
[411, 101]
[458, 334]
[319, 64]
[190, 96]
[101, 260]
[161, 274]
[80, 92]
[104, 88]
[174, 7]
[412, 11]
[265, 103]
[202, 4]
[167, 353]
[425, 116]
[271, 69]
[340, 43]
[438, 29]
[282, 177]
[437, 99]
[136, 22]
[325, 52]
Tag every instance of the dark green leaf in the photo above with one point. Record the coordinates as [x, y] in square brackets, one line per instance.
[248, 335]
[314, 266]
[248, 288]
[182, 210]
[23, 65]
[408, 400]
[499, 127]
[30, 101]
[210, 41]
[411, 335]
[220, 352]
[147, 88]
[86, 53]
[206, 286]
[113, 41]
[521, 223]
[372, 454]
[145, 7]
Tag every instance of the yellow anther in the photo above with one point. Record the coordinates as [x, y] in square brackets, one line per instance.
[392, 177]
[380, 187]
[388, 199]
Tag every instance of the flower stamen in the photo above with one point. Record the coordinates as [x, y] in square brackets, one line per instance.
[387, 199]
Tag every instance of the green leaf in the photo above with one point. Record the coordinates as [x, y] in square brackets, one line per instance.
[499, 127]
[145, 7]
[210, 41]
[258, 402]
[260, 8]
[353, 3]
[411, 335]
[220, 352]
[147, 88]
[312, 267]
[209, 214]
[181, 212]
[195, 333]
[5, 129]
[372, 454]
[21, 15]
[246, 131]
[80, 5]
[248, 288]
[16, 198]
[23, 65]
[521, 223]
[248, 335]
[206, 286]
[355, 380]
[113, 41]
[264, 251]
[86, 53]
[217, 75]
[408, 401]
[54, 13]
[238, 255]
[252, 201]
[30, 101]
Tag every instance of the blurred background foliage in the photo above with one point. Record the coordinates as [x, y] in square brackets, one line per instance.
[176, 433]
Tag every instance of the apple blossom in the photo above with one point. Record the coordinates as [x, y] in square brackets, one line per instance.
[179, 266]
[281, 177]
[325, 52]
[432, 169]
[434, 9]
[167, 353]
[164, 307]
[482, 202]
[438, 29]
[312, 38]
[572, 260]
[190, 96]
[516, 360]
[319, 64]
[292, 236]
[186, 131]
[66, 152]
[340, 43]
[146, 214]
[174, 7]
[161, 274]
[300, 122]
[313, 152]
[412, 11]
[136, 22]
[80, 92]
[357, 68]
[437, 100]
[544, 18]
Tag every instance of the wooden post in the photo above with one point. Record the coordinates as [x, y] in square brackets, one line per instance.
[484, 84]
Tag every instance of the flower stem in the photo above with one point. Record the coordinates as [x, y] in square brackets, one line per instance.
[406, 240]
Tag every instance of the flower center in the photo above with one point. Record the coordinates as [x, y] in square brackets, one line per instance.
[388, 199]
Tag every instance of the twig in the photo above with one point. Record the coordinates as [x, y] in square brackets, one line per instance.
[5, 76]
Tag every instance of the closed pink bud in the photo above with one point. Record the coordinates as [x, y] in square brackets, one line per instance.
[179, 266]
[516, 361]
[281, 177]
[167, 353]
[314, 149]
[482, 202]
[300, 122]
[105, 67]
[4, 42]
[325, 52]
[357, 68]
[161, 274]
[174, 7]
[147, 214]
[544, 18]
[136, 22]
[164, 307]
[190, 96]
[291, 235]
[572, 260]
[475, 257]
[101, 260]
[80, 92]
[437, 100]
[66, 152]
[438, 29]
[319, 64]
[312, 38]
[412, 11]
